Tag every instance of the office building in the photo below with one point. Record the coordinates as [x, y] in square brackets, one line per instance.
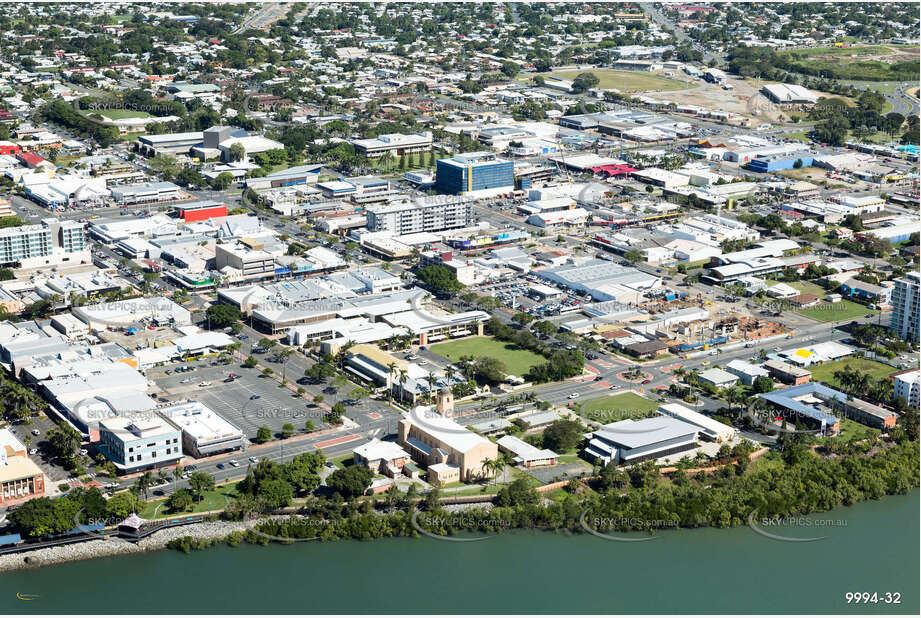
[204, 431]
[905, 299]
[479, 174]
[428, 214]
[139, 442]
[397, 144]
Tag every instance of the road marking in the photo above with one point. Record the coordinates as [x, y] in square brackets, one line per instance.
[337, 441]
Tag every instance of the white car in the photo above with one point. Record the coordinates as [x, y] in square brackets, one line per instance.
[204, 383]
[574, 395]
[234, 463]
[254, 460]
[33, 451]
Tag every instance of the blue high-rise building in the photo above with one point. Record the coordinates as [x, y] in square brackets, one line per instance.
[473, 173]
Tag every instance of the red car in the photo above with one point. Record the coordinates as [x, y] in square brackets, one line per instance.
[646, 381]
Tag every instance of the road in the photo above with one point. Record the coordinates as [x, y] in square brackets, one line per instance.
[658, 17]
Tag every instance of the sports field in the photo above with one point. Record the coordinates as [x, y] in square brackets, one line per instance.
[618, 407]
[628, 81]
[517, 361]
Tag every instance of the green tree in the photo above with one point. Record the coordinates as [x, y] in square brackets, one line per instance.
[263, 434]
[350, 482]
[222, 316]
[563, 435]
[201, 482]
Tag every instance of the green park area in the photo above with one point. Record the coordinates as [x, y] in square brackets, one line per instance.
[628, 81]
[870, 63]
[844, 310]
[517, 360]
[414, 161]
[826, 371]
[618, 407]
[117, 114]
[211, 501]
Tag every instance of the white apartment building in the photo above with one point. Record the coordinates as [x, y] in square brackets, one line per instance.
[905, 299]
[431, 214]
[907, 385]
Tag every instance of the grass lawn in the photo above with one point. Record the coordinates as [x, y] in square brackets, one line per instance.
[807, 287]
[342, 462]
[825, 372]
[852, 430]
[618, 407]
[517, 361]
[413, 161]
[842, 311]
[212, 501]
[117, 114]
[628, 81]
[800, 136]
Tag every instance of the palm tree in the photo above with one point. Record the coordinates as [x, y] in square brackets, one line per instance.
[450, 373]
[432, 381]
[403, 376]
[391, 371]
[285, 355]
[144, 482]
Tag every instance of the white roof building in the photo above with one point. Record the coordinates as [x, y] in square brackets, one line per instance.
[709, 428]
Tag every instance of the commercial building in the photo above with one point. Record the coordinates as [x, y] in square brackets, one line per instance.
[248, 258]
[451, 452]
[633, 441]
[603, 280]
[139, 442]
[907, 385]
[475, 174]
[810, 403]
[746, 372]
[397, 144]
[428, 214]
[125, 313]
[20, 478]
[204, 431]
[717, 377]
[787, 373]
[709, 428]
[200, 211]
[145, 193]
[906, 296]
[525, 454]
[788, 93]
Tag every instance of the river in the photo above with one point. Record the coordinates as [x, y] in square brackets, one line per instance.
[872, 547]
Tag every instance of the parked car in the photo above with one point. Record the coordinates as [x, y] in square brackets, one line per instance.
[203, 384]
[254, 397]
[573, 395]
[36, 432]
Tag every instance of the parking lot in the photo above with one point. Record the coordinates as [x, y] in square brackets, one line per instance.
[249, 402]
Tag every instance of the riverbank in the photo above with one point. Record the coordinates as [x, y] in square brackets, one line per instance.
[114, 546]
[487, 577]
